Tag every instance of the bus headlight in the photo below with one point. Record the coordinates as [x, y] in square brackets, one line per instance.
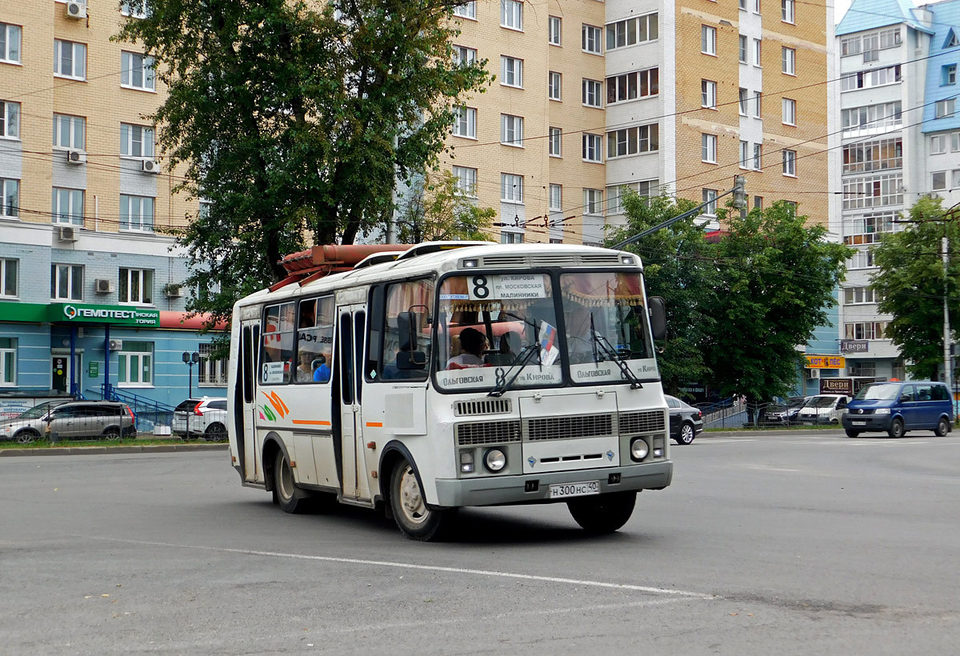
[639, 449]
[495, 460]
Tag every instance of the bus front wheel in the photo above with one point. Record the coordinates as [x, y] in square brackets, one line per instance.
[414, 519]
[285, 491]
[603, 514]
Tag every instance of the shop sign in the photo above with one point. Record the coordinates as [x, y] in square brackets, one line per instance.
[854, 345]
[93, 369]
[836, 386]
[115, 315]
[825, 361]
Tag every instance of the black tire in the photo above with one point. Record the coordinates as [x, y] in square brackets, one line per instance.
[686, 434]
[285, 491]
[603, 514]
[111, 433]
[414, 518]
[943, 427]
[216, 432]
[896, 428]
[852, 433]
[27, 436]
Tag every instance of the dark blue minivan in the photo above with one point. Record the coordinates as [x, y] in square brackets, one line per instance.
[896, 407]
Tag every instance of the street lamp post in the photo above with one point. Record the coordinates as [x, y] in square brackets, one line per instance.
[190, 359]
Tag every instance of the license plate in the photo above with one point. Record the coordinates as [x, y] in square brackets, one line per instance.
[583, 488]
[859, 423]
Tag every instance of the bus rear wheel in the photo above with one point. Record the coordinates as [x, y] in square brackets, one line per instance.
[603, 514]
[414, 519]
[285, 491]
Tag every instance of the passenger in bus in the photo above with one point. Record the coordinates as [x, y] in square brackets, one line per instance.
[304, 369]
[321, 371]
[473, 343]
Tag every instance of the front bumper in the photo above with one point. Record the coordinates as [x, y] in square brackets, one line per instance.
[502, 490]
[866, 422]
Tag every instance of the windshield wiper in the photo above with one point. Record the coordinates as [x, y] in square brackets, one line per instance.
[607, 349]
[519, 362]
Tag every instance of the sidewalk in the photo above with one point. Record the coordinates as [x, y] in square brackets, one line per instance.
[125, 448]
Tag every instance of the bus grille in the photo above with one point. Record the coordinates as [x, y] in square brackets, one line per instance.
[488, 432]
[482, 407]
[575, 426]
[641, 422]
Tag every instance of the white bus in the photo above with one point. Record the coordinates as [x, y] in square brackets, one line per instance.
[454, 375]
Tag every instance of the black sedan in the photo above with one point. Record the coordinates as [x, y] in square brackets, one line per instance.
[686, 422]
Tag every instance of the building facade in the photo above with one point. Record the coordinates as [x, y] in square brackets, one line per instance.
[91, 292]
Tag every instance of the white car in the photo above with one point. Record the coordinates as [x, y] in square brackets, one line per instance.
[823, 409]
[205, 416]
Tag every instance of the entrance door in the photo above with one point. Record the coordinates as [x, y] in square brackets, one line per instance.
[246, 422]
[351, 324]
[60, 368]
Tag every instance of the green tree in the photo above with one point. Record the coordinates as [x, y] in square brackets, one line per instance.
[678, 265]
[910, 284]
[777, 279]
[437, 210]
[295, 118]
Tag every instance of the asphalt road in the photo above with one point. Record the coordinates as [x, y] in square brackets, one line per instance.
[807, 543]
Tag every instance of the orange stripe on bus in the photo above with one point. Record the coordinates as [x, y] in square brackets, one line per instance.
[311, 422]
[374, 424]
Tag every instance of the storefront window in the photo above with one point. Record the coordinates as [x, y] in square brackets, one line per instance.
[135, 365]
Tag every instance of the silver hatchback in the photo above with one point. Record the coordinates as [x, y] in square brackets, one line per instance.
[72, 420]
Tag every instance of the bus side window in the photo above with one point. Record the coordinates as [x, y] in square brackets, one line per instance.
[315, 340]
[373, 364]
[407, 301]
[276, 356]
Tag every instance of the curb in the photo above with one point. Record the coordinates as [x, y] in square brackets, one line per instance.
[100, 450]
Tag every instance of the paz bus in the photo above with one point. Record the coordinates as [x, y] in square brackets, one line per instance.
[448, 375]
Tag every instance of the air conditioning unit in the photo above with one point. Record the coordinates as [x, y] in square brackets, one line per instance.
[67, 233]
[116, 344]
[813, 374]
[76, 10]
[103, 286]
[149, 166]
[174, 291]
[76, 157]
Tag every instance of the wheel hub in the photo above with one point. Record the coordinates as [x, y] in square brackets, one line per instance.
[411, 500]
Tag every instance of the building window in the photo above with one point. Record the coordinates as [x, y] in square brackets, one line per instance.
[744, 154]
[511, 130]
[631, 141]
[708, 40]
[858, 296]
[69, 59]
[465, 122]
[708, 148]
[788, 60]
[873, 156]
[8, 361]
[710, 200]
[136, 213]
[463, 56]
[757, 104]
[757, 157]
[757, 50]
[555, 142]
[789, 111]
[708, 94]
[467, 9]
[938, 144]
[756, 6]
[872, 116]
[790, 162]
[9, 197]
[69, 131]
[868, 228]
[511, 71]
[945, 108]
[511, 237]
[864, 330]
[873, 191]
[742, 49]
[136, 141]
[136, 71]
[593, 202]
[590, 37]
[873, 78]
[466, 180]
[556, 198]
[870, 43]
[615, 194]
[136, 286]
[67, 206]
[210, 371]
[555, 36]
[948, 75]
[862, 259]
[66, 282]
[8, 277]
[591, 148]
[744, 101]
[135, 364]
[758, 202]
[554, 85]
[139, 9]
[787, 11]
[10, 43]
[9, 119]
[511, 188]
[592, 92]
[630, 86]
[861, 368]
[938, 180]
[632, 31]
[511, 14]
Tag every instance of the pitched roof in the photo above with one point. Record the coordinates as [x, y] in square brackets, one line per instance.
[872, 14]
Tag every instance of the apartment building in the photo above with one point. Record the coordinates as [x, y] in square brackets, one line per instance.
[658, 96]
[90, 282]
[900, 140]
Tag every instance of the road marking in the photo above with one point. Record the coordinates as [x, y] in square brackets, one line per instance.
[415, 566]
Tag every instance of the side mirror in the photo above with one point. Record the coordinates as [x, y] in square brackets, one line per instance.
[658, 317]
[407, 330]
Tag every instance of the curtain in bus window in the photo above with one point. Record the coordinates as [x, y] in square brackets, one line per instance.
[608, 304]
[277, 352]
[412, 296]
[315, 340]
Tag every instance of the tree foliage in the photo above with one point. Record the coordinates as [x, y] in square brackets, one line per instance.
[437, 210]
[910, 283]
[294, 118]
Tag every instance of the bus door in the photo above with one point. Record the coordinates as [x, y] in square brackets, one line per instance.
[351, 328]
[246, 422]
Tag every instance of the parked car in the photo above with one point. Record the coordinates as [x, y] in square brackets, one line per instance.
[206, 416]
[686, 422]
[71, 420]
[896, 407]
[783, 414]
[823, 409]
